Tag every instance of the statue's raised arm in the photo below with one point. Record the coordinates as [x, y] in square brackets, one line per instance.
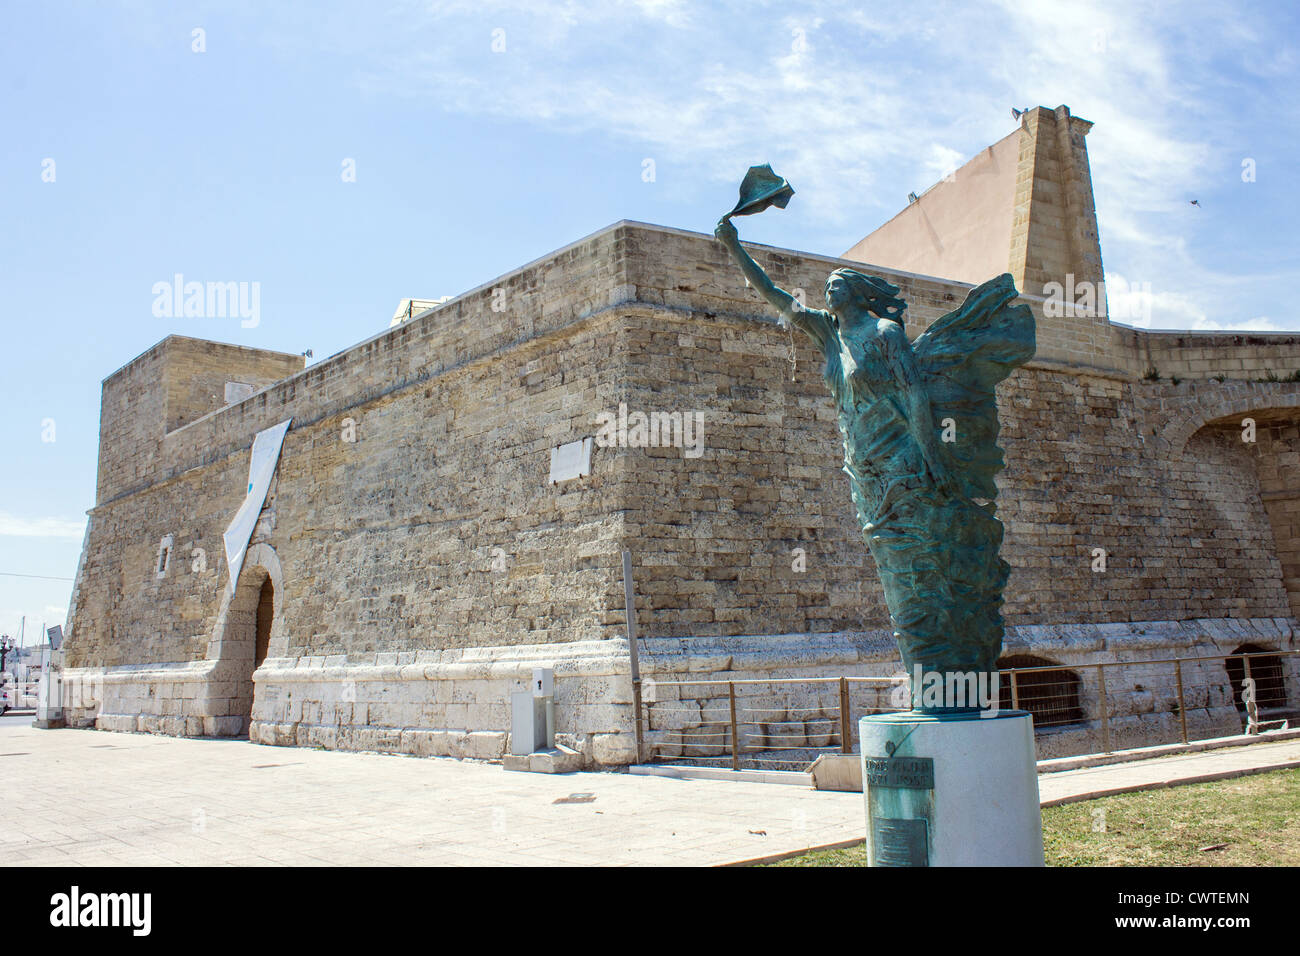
[813, 322]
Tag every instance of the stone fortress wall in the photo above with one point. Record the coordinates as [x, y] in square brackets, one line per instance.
[419, 564]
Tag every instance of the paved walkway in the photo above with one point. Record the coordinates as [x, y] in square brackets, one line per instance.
[81, 797]
[1086, 783]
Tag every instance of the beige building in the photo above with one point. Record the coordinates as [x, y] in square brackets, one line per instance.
[413, 562]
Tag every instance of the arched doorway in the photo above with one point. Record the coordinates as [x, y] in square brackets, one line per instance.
[265, 614]
[247, 638]
[249, 631]
[1265, 670]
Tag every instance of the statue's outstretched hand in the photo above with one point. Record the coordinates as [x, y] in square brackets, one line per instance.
[726, 232]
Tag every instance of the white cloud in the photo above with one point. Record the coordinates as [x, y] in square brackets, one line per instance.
[859, 108]
[944, 161]
[1260, 323]
[16, 526]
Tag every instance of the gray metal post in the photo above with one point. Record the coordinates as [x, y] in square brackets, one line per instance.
[629, 602]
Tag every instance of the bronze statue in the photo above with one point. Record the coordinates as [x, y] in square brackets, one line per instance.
[919, 422]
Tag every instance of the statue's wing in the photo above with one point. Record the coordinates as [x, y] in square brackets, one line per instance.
[962, 357]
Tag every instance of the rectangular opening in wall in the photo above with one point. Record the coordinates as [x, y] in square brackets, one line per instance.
[164, 556]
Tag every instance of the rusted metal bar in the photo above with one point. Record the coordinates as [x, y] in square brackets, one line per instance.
[1015, 691]
[1182, 703]
[629, 607]
[846, 718]
[1105, 706]
[735, 736]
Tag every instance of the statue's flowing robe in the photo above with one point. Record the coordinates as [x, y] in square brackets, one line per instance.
[937, 553]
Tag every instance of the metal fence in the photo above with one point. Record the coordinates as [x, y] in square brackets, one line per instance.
[785, 723]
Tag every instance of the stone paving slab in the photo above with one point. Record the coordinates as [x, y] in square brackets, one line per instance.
[83, 797]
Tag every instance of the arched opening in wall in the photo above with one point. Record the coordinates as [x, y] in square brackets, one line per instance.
[1267, 673]
[265, 612]
[1051, 696]
[246, 639]
[1258, 506]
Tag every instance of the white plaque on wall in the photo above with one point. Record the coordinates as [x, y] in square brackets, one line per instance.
[571, 461]
[238, 391]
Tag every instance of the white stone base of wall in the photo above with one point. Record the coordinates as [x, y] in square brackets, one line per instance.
[447, 703]
[1142, 711]
[433, 703]
[193, 699]
[456, 702]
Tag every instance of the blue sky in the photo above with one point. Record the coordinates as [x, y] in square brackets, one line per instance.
[226, 165]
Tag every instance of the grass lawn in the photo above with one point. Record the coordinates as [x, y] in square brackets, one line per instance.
[1250, 821]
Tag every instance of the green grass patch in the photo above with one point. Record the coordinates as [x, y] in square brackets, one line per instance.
[1246, 821]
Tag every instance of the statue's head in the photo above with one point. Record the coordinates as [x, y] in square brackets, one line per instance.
[847, 287]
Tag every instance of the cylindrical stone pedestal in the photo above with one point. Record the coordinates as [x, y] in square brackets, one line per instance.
[951, 790]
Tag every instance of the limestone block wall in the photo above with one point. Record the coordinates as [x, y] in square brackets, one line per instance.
[389, 540]
[1254, 356]
[198, 370]
[377, 532]
[132, 412]
[411, 514]
[177, 381]
[1183, 538]
[414, 526]
[1055, 225]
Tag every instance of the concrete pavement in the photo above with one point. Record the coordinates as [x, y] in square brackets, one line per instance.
[1067, 786]
[82, 797]
[86, 798]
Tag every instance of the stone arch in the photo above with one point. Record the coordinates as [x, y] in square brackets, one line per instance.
[234, 647]
[1275, 410]
[1227, 405]
[1051, 696]
[1267, 672]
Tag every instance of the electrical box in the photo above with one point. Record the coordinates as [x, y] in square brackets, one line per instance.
[527, 723]
[532, 714]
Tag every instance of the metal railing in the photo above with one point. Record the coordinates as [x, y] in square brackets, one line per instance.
[785, 723]
[735, 718]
